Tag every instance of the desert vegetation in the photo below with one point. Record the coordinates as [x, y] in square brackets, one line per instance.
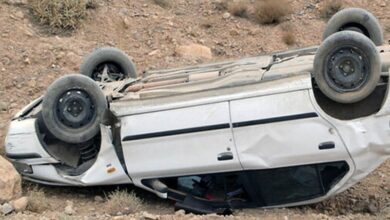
[162, 3]
[330, 7]
[61, 14]
[122, 202]
[270, 11]
[239, 8]
[38, 202]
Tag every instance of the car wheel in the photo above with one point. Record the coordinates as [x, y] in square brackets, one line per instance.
[107, 65]
[347, 67]
[355, 19]
[72, 108]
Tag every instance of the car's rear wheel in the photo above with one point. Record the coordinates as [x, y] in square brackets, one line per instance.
[355, 19]
[72, 108]
[108, 64]
[347, 67]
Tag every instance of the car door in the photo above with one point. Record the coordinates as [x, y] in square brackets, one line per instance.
[283, 130]
[182, 141]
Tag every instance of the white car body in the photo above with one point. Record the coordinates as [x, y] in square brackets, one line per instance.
[262, 114]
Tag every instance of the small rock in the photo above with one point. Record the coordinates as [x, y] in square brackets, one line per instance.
[10, 181]
[311, 6]
[180, 212]
[226, 15]
[6, 60]
[60, 55]
[6, 208]
[19, 14]
[99, 199]
[13, 106]
[16, 2]
[3, 106]
[148, 216]
[126, 22]
[69, 210]
[27, 32]
[27, 61]
[32, 83]
[372, 208]
[234, 32]
[154, 52]
[20, 204]
[194, 51]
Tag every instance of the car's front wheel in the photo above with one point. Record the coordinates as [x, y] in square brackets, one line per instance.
[347, 67]
[72, 108]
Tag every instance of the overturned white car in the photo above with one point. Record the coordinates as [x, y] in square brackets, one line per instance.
[284, 129]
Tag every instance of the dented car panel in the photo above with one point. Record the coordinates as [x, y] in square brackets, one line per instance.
[367, 139]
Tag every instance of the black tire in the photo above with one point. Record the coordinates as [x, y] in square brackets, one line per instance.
[347, 67]
[117, 62]
[73, 107]
[355, 19]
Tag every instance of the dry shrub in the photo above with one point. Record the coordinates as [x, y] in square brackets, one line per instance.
[93, 4]
[271, 11]
[123, 202]
[60, 14]
[288, 38]
[221, 5]
[162, 3]
[37, 201]
[239, 8]
[330, 7]
[288, 35]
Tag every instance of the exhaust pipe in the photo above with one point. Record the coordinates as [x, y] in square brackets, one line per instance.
[156, 185]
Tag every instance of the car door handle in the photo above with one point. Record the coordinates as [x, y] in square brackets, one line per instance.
[225, 156]
[326, 145]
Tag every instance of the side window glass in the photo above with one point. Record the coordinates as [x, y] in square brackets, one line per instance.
[332, 173]
[267, 187]
[298, 183]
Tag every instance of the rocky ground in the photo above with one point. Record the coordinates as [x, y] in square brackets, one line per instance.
[31, 58]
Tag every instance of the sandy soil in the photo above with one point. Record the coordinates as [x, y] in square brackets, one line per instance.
[30, 59]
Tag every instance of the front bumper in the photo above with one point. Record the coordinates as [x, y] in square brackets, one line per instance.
[27, 152]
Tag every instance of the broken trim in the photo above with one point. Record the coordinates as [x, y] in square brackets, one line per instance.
[110, 119]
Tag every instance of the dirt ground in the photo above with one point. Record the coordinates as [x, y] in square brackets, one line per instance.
[31, 58]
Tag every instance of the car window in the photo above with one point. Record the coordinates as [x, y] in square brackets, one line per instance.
[298, 183]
